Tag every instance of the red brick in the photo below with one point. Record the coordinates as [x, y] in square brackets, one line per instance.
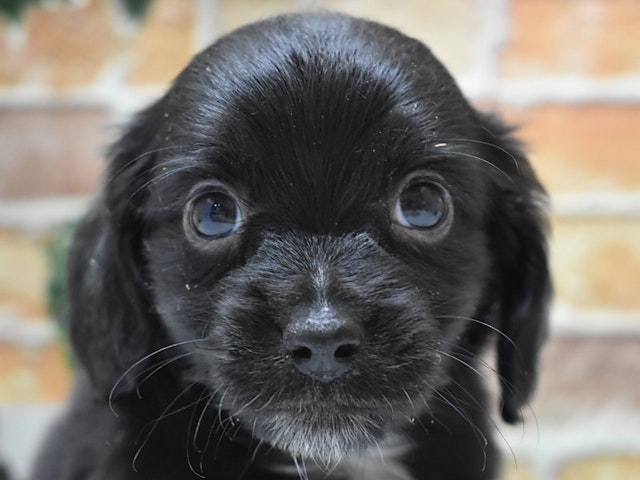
[55, 151]
[449, 27]
[23, 276]
[516, 471]
[557, 37]
[596, 263]
[65, 46]
[34, 375]
[165, 43]
[592, 372]
[582, 148]
[602, 467]
[453, 42]
[234, 13]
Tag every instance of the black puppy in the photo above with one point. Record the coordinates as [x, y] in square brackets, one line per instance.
[299, 255]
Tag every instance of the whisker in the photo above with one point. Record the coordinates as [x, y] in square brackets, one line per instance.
[506, 384]
[390, 405]
[246, 405]
[220, 425]
[484, 161]
[488, 144]
[166, 415]
[199, 423]
[256, 449]
[466, 364]
[413, 407]
[220, 403]
[130, 162]
[465, 417]
[154, 424]
[429, 411]
[485, 324]
[473, 399]
[138, 363]
[432, 389]
[263, 407]
[159, 178]
[189, 462]
[157, 367]
[212, 430]
[471, 356]
[302, 469]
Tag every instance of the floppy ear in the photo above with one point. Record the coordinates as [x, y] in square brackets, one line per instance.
[518, 230]
[110, 316]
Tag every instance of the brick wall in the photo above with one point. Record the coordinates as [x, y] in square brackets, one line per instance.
[567, 71]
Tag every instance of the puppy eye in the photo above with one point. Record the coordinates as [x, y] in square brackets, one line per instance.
[421, 205]
[216, 215]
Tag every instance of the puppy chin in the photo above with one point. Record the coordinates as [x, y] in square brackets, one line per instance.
[324, 437]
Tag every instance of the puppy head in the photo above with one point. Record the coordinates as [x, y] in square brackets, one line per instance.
[319, 218]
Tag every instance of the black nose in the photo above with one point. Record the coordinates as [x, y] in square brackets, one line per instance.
[322, 344]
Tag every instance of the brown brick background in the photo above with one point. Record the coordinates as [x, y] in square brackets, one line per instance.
[574, 37]
[596, 262]
[23, 276]
[566, 71]
[582, 148]
[50, 151]
[59, 47]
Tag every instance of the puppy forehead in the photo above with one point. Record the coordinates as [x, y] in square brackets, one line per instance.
[316, 129]
[315, 112]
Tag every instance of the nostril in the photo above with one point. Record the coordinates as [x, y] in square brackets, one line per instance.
[301, 353]
[344, 352]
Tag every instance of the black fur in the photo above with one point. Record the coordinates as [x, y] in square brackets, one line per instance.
[314, 123]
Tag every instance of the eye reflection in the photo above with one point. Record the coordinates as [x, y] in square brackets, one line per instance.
[215, 215]
[421, 205]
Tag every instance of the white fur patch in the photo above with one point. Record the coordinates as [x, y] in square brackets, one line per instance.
[378, 463]
[381, 462]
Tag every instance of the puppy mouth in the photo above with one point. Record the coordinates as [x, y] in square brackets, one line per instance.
[324, 427]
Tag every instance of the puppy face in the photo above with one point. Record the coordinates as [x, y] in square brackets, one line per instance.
[321, 221]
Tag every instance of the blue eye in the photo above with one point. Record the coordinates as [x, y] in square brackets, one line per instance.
[216, 215]
[421, 205]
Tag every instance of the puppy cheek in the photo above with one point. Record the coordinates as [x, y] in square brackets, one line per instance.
[182, 279]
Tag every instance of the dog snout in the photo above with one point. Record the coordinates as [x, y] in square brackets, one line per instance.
[323, 344]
